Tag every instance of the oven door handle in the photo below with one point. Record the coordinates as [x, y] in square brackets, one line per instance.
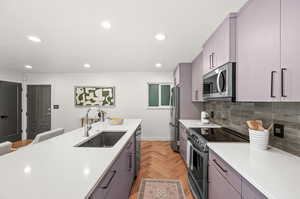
[200, 152]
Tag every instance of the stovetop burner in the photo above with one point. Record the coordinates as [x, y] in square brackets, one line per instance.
[200, 136]
[220, 135]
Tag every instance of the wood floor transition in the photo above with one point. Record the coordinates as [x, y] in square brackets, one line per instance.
[160, 162]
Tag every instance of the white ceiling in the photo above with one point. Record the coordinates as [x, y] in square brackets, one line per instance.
[72, 35]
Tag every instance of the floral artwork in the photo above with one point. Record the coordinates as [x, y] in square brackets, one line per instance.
[94, 96]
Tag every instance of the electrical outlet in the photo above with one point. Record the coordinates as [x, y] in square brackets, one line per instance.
[55, 106]
[278, 130]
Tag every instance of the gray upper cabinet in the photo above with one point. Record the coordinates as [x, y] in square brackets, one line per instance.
[197, 81]
[220, 48]
[258, 51]
[267, 43]
[225, 42]
[207, 55]
[290, 48]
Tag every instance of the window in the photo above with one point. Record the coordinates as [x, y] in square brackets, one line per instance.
[159, 95]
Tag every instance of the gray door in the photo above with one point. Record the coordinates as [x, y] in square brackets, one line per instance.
[10, 111]
[38, 109]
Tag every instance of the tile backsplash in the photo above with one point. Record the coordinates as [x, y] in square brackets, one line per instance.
[235, 114]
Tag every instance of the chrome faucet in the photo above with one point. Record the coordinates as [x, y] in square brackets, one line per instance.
[88, 126]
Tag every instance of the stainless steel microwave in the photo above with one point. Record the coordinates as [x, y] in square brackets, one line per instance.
[220, 84]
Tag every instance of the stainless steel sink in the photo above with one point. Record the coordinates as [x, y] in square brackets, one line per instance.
[104, 139]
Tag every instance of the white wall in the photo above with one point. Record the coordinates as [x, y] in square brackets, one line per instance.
[6, 75]
[131, 98]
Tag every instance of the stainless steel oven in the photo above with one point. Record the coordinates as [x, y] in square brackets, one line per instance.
[197, 173]
[198, 166]
[220, 84]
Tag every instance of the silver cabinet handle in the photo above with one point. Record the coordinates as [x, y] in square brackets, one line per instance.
[282, 82]
[272, 84]
[212, 60]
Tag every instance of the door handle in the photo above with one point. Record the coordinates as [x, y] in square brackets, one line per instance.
[272, 84]
[106, 183]
[215, 161]
[282, 82]
[4, 117]
[129, 145]
[172, 125]
[212, 60]
[130, 161]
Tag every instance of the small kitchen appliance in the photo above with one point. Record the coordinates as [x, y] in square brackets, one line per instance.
[220, 84]
[204, 117]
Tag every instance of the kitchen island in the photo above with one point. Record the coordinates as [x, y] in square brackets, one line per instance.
[56, 169]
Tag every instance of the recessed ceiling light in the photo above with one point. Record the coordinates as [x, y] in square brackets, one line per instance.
[106, 24]
[27, 169]
[28, 67]
[158, 65]
[34, 38]
[86, 65]
[160, 36]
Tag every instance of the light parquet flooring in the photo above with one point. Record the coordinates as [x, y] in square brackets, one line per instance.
[160, 162]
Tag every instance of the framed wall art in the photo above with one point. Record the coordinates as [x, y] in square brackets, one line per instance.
[94, 96]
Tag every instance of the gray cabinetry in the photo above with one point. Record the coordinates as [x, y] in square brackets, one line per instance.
[258, 51]
[267, 45]
[117, 182]
[225, 182]
[197, 81]
[220, 48]
[219, 188]
[250, 192]
[187, 110]
[290, 50]
[183, 142]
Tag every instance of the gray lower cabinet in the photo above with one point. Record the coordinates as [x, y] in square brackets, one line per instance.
[183, 142]
[250, 192]
[117, 182]
[218, 186]
[225, 182]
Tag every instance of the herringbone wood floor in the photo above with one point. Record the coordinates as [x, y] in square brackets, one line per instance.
[160, 162]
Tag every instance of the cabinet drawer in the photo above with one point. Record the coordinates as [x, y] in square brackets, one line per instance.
[218, 186]
[250, 192]
[227, 172]
[102, 189]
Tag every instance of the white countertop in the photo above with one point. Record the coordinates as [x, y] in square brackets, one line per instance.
[55, 169]
[197, 124]
[273, 172]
